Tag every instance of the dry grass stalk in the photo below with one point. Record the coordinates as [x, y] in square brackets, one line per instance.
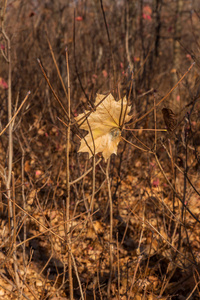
[67, 216]
[111, 227]
[141, 186]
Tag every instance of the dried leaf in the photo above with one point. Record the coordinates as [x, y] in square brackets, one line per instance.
[103, 126]
[3, 84]
[170, 119]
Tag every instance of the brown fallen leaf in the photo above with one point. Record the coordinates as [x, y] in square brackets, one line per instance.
[103, 126]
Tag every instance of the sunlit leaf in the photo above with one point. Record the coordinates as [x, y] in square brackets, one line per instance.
[103, 126]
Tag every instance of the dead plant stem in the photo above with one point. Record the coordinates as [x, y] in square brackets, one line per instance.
[56, 97]
[118, 267]
[68, 225]
[155, 119]
[127, 26]
[93, 170]
[134, 277]
[193, 290]
[93, 184]
[76, 272]
[172, 187]
[148, 112]
[57, 69]
[135, 145]
[84, 174]
[10, 176]
[13, 118]
[24, 205]
[109, 41]
[111, 228]
[14, 236]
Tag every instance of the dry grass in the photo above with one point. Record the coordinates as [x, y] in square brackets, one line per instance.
[140, 239]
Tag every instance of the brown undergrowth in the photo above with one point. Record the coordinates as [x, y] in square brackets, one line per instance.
[79, 228]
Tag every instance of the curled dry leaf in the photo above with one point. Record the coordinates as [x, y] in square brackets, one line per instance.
[103, 125]
[170, 119]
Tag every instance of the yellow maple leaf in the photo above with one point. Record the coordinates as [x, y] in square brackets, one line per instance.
[103, 126]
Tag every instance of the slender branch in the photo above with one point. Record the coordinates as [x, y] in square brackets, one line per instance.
[109, 41]
[15, 236]
[48, 230]
[56, 65]
[134, 276]
[134, 145]
[84, 174]
[177, 195]
[15, 115]
[111, 228]
[10, 177]
[49, 84]
[67, 216]
[147, 113]
[75, 62]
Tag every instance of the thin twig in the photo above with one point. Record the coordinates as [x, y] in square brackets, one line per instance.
[84, 174]
[111, 229]
[14, 236]
[13, 118]
[67, 216]
[155, 119]
[135, 145]
[10, 177]
[134, 276]
[49, 84]
[76, 69]
[57, 69]
[177, 195]
[93, 168]
[50, 230]
[144, 129]
[147, 113]
[38, 222]
[109, 41]
[77, 275]
[118, 267]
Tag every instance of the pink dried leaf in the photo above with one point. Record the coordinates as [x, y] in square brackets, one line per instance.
[3, 84]
[156, 182]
